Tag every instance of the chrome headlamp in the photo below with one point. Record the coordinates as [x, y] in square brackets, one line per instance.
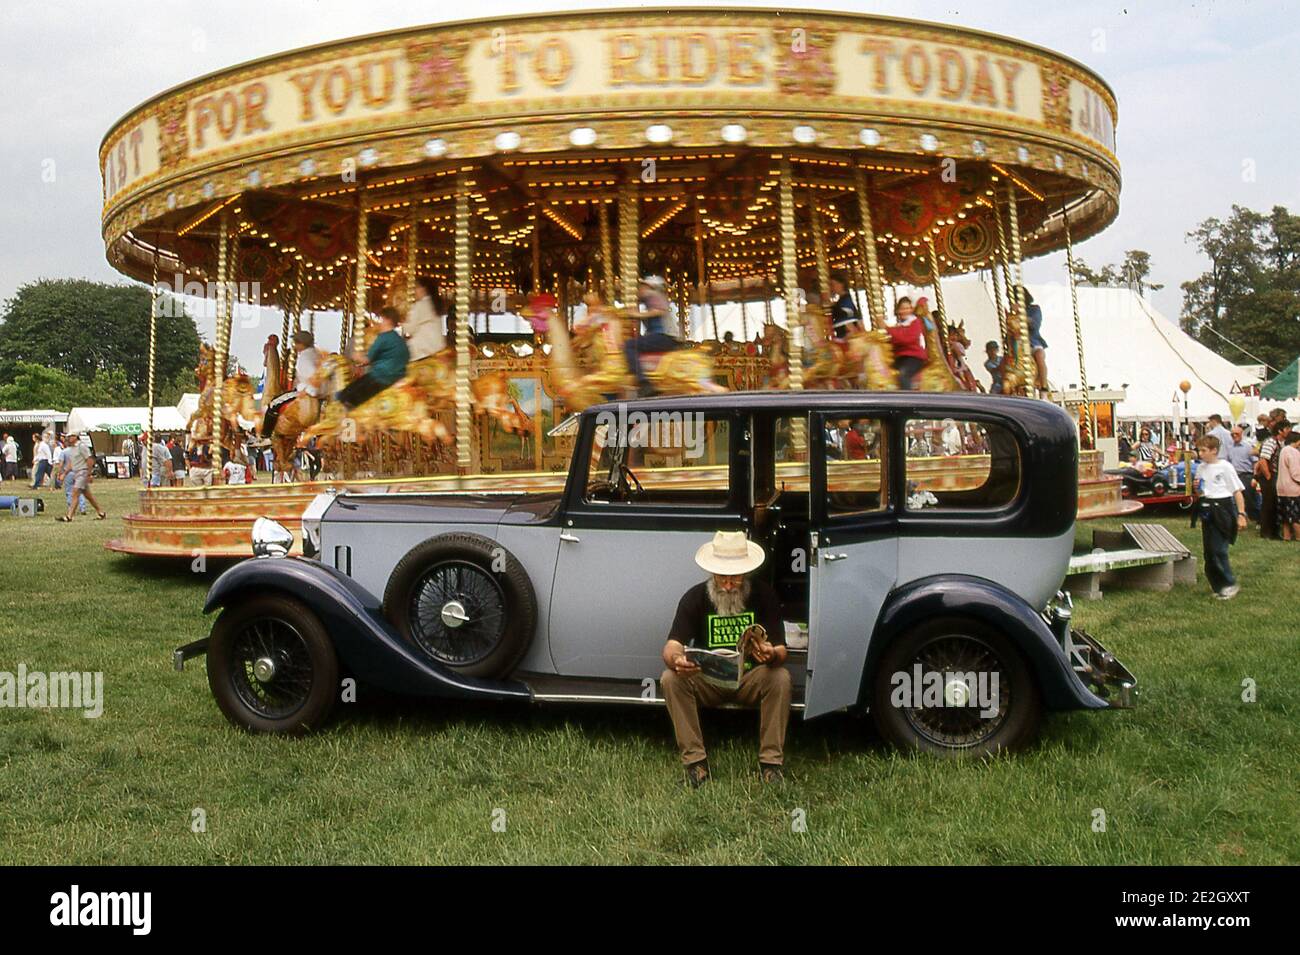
[271, 539]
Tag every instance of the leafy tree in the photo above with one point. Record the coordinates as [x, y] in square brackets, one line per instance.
[1250, 295]
[35, 386]
[82, 328]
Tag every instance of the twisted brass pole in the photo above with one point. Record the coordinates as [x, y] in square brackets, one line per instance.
[363, 253]
[790, 275]
[1078, 331]
[291, 355]
[1026, 361]
[867, 238]
[629, 225]
[464, 416]
[153, 343]
[606, 255]
[225, 268]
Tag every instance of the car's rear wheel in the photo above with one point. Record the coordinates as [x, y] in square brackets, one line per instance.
[956, 687]
[272, 667]
[465, 602]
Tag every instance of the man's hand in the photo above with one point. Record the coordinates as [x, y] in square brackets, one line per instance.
[675, 658]
[1241, 522]
[772, 654]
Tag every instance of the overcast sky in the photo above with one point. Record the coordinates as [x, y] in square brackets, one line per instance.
[1207, 94]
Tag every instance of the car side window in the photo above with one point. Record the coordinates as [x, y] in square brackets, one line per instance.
[653, 458]
[856, 471]
[955, 463]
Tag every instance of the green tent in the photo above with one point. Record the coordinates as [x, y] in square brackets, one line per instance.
[1286, 385]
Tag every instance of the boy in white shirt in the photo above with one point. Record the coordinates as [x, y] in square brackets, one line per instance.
[1221, 509]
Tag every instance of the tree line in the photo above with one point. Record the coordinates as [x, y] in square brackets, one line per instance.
[70, 342]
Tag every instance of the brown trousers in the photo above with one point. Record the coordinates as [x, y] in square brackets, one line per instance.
[767, 687]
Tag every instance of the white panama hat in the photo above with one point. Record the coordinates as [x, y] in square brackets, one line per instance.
[729, 553]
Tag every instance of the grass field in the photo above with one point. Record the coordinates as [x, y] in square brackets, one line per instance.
[1192, 775]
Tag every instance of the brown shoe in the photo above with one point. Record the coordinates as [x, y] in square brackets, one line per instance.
[697, 774]
[770, 773]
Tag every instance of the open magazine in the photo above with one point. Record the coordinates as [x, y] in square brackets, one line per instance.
[725, 667]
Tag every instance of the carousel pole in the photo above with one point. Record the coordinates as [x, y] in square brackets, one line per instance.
[299, 293]
[606, 256]
[790, 275]
[412, 262]
[998, 304]
[536, 242]
[941, 318]
[361, 290]
[1026, 356]
[1002, 260]
[701, 275]
[227, 272]
[1078, 331]
[819, 252]
[867, 238]
[684, 305]
[153, 352]
[629, 225]
[464, 417]
[744, 317]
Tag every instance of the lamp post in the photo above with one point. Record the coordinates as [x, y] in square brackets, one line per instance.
[1185, 386]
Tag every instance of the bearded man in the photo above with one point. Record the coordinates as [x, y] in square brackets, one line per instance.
[713, 615]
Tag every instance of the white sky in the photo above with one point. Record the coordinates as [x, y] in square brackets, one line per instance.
[1207, 93]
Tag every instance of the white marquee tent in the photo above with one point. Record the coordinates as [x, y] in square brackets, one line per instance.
[165, 419]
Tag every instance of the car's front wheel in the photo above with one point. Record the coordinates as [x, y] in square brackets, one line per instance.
[955, 687]
[272, 667]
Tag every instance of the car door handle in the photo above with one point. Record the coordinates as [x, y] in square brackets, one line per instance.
[835, 556]
[565, 536]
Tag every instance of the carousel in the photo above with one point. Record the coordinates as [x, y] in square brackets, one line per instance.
[532, 171]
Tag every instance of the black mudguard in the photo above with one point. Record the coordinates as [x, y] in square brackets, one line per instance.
[957, 595]
[366, 643]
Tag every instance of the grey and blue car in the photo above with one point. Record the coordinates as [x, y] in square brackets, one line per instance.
[917, 542]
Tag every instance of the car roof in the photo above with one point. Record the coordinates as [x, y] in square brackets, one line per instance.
[915, 401]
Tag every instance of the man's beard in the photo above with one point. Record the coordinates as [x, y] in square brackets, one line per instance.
[728, 602]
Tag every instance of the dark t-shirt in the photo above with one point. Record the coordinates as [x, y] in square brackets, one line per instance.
[843, 314]
[698, 623]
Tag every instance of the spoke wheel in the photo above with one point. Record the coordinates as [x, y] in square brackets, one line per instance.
[458, 613]
[948, 703]
[272, 666]
[465, 603]
[951, 725]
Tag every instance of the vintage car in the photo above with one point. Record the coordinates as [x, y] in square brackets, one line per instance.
[905, 569]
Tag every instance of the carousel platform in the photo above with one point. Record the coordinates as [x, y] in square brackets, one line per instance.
[215, 522]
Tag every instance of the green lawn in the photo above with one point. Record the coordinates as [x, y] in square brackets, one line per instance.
[1192, 775]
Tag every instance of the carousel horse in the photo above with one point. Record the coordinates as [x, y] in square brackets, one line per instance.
[273, 384]
[937, 375]
[772, 344]
[588, 367]
[401, 407]
[239, 414]
[958, 343]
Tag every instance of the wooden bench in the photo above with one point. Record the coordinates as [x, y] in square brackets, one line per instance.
[1144, 557]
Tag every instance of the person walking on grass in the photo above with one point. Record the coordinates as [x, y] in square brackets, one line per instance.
[9, 454]
[77, 464]
[1288, 488]
[42, 461]
[1221, 510]
[1240, 453]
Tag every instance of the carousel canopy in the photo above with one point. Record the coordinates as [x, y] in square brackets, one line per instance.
[573, 148]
